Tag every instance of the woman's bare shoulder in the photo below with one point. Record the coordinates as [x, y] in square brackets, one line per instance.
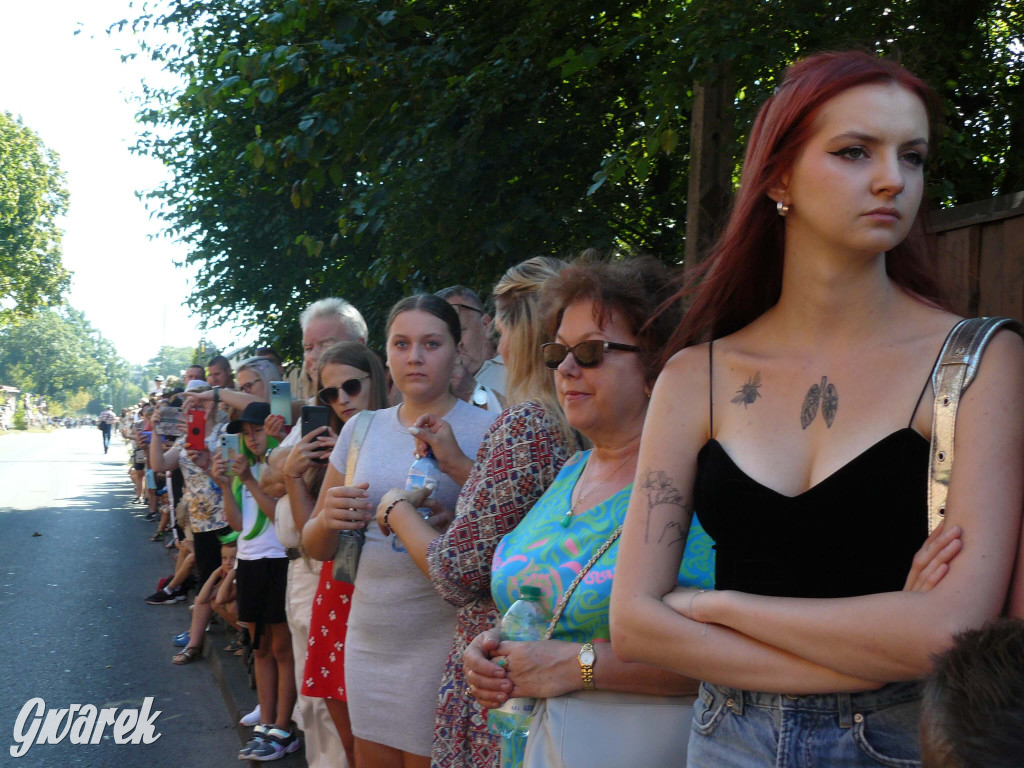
[691, 362]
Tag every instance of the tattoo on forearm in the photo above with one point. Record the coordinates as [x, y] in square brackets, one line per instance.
[824, 393]
[660, 490]
[673, 532]
[749, 392]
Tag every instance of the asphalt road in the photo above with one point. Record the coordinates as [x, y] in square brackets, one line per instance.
[75, 564]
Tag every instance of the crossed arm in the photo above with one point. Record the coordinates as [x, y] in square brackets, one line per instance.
[816, 645]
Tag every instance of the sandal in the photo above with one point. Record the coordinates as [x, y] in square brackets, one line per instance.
[158, 536]
[234, 646]
[187, 655]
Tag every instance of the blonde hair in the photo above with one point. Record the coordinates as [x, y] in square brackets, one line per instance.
[517, 303]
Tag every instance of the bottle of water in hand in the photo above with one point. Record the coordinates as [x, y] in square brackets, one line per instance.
[526, 620]
[424, 473]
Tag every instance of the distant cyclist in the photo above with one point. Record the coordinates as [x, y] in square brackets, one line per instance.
[107, 420]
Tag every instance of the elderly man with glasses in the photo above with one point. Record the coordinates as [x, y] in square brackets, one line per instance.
[479, 376]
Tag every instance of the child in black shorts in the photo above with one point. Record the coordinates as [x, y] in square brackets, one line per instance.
[261, 576]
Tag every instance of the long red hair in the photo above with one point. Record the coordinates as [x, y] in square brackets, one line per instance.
[742, 276]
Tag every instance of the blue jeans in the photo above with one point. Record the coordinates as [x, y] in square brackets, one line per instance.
[747, 729]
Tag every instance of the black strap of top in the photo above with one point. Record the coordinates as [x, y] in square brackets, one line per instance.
[928, 379]
[711, 382]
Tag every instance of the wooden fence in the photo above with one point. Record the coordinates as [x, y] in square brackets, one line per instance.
[981, 256]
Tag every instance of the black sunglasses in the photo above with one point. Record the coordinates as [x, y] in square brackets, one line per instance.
[588, 354]
[351, 387]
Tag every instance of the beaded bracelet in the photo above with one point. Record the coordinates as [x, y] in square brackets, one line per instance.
[387, 512]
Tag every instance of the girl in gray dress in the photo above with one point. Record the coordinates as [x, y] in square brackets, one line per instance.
[399, 630]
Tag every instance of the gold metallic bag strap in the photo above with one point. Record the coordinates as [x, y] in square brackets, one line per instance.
[953, 374]
[560, 608]
[359, 430]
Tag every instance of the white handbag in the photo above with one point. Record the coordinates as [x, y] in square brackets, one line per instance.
[607, 729]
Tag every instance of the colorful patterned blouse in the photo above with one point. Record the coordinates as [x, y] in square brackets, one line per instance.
[541, 552]
[519, 458]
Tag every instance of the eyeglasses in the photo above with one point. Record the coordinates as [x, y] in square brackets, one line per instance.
[248, 386]
[351, 387]
[466, 306]
[588, 354]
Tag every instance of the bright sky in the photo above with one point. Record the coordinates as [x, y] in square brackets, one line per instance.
[73, 91]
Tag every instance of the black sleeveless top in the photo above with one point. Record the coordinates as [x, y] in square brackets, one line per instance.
[854, 533]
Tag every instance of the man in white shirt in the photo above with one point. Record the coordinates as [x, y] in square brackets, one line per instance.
[107, 420]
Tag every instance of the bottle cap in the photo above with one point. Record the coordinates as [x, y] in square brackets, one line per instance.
[529, 593]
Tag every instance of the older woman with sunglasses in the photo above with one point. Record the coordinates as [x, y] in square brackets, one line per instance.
[605, 359]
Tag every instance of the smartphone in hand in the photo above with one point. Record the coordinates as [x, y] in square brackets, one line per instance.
[314, 417]
[230, 446]
[170, 421]
[195, 435]
[281, 400]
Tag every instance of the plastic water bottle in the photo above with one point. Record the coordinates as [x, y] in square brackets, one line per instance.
[424, 473]
[526, 619]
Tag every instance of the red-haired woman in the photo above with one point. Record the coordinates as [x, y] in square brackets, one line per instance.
[803, 441]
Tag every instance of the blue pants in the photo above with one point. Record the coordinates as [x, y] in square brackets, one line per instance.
[744, 729]
[105, 429]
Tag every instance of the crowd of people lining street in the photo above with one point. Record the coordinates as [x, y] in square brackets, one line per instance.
[725, 584]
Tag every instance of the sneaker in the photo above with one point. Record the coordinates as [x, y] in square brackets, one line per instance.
[163, 597]
[181, 641]
[258, 734]
[180, 593]
[274, 745]
[253, 718]
[163, 582]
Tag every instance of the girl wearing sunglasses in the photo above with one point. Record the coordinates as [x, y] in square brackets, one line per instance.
[400, 630]
[349, 379]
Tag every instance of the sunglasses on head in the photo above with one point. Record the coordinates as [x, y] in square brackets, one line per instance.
[587, 354]
[351, 387]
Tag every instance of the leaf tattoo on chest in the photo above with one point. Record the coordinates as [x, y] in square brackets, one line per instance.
[749, 392]
[824, 394]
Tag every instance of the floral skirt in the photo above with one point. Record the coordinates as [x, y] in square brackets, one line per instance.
[324, 676]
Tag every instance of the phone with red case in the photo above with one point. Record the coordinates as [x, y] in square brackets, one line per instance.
[195, 439]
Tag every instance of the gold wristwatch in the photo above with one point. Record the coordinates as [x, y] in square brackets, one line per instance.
[586, 658]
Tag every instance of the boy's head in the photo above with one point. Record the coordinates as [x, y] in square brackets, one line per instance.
[250, 424]
[227, 554]
[973, 709]
[228, 549]
[255, 438]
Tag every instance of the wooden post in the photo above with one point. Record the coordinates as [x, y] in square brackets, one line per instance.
[711, 163]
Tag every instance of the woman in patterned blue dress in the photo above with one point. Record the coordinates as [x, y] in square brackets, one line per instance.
[605, 360]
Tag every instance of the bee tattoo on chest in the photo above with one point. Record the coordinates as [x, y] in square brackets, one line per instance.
[824, 395]
[749, 392]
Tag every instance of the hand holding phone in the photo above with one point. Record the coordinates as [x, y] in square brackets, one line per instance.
[195, 436]
[281, 400]
[313, 418]
[230, 447]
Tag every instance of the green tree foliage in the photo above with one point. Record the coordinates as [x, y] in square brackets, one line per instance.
[57, 354]
[32, 197]
[371, 148]
[20, 417]
[169, 361]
